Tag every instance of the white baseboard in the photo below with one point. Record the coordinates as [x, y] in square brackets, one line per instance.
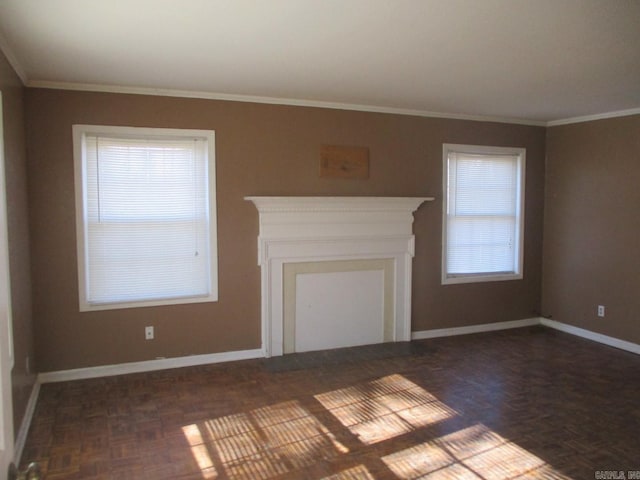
[485, 327]
[148, 366]
[21, 438]
[166, 363]
[588, 334]
[488, 327]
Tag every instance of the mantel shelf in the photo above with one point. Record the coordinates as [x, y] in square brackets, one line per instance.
[332, 203]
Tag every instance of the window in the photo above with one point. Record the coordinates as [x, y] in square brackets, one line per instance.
[146, 216]
[483, 213]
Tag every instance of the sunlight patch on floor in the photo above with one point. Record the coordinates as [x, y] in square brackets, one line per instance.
[199, 451]
[262, 443]
[356, 473]
[475, 452]
[384, 408]
[278, 439]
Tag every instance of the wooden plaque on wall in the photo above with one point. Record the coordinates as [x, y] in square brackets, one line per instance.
[344, 162]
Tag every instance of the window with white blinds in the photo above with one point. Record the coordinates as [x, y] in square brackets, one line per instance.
[146, 216]
[483, 213]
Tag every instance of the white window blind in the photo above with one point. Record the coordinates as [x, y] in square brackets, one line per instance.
[146, 219]
[483, 213]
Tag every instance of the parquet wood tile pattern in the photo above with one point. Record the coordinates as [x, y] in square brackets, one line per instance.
[517, 404]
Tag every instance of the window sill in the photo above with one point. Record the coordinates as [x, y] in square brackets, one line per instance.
[481, 278]
[94, 307]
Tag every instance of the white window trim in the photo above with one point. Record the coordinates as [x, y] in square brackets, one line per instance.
[484, 150]
[79, 133]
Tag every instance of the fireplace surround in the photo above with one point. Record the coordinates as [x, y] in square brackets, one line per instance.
[310, 230]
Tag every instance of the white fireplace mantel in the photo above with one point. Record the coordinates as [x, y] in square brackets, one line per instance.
[317, 229]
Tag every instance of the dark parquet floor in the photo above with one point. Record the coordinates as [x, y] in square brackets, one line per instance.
[516, 404]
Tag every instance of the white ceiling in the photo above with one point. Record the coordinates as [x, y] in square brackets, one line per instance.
[531, 61]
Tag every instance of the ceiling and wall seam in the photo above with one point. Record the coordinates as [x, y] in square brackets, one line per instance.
[590, 118]
[6, 49]
[321, 104]
[13, 60]
[276, 101]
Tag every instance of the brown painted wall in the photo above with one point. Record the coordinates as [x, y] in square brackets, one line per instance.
[592, 226]
[261, 150]
[17, 219]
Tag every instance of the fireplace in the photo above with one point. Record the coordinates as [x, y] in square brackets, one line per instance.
[336, 271]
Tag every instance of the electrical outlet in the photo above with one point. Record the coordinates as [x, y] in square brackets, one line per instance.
[601, 310]
[148, 333]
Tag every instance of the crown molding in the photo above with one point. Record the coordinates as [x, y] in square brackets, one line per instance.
[13, 60]
[591, 118]
[167, 92]
[90, 87]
